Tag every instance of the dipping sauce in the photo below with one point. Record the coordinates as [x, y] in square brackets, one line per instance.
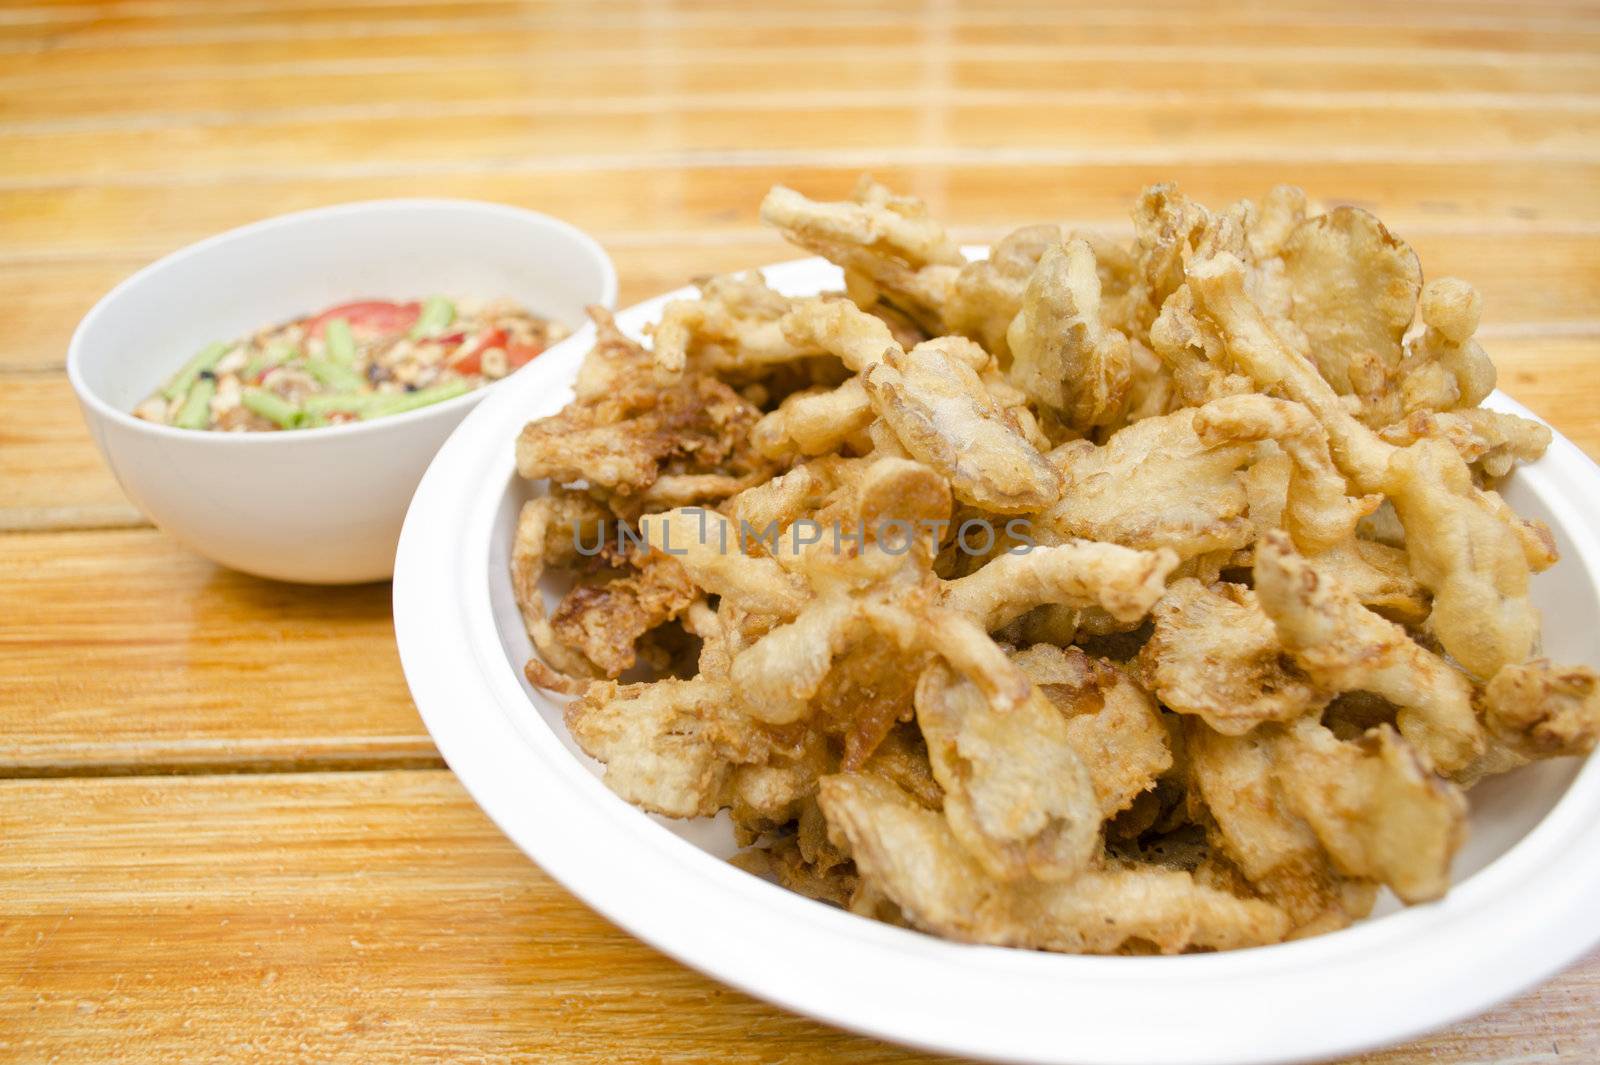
[352, 362]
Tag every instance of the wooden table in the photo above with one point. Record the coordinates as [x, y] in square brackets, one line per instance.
[224, 834]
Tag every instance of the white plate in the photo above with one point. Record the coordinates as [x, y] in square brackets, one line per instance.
[1523, 905]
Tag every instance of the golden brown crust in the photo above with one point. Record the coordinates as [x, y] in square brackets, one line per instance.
[1243, 619]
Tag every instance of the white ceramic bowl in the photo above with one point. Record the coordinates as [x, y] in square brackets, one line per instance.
[317, 505]
[1522, 906]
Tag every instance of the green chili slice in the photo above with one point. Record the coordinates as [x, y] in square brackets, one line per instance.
[401, 402]
[340, 402]
[196, 410]
[272, 407]
[335, 375]
[185, 378]
[276, 355]
[437, 314]
[341, 343]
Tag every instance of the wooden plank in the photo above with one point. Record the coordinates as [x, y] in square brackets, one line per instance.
[23, 12]
[356, 917]
[51, 476]
[1157, 129]
[1565, 36]
[58, 12]
[1555, 377]
[50, 298]
[668, 81]
[1565, 43]
[346, 917]
[132, 220]
[126, 653]
[173, 47]
[174, 43]
[452, 83]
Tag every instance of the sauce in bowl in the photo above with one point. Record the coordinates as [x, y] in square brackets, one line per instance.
[352, 362]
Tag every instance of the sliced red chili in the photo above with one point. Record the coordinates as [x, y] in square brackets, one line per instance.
[472, 361]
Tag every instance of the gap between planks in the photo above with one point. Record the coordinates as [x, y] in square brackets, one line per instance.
[218, 767]
[92, 518]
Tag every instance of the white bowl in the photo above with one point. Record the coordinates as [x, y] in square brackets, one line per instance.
[1522, 905]
[316, 505]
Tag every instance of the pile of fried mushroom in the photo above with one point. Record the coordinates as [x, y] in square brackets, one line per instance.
[1174, 608]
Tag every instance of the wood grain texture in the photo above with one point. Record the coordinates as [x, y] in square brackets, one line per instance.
[700, 192]
[358, 917]
[350, 917]
[51, 476]
[667, 79]
[126, 653]
[367, 915]
[1162, 128]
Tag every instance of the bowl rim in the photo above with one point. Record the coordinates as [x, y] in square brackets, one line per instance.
[1513, 923]
[407, 204]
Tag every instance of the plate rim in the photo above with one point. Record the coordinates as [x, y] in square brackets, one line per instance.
[1370, 985]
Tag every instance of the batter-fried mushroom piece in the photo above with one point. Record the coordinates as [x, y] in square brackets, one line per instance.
[1234, 790]
[734, 325]
[1061, 354]
[776, 677]
[1154, 484]
[1215, 654]
[814, 421]
[1120, 580]
[1166, 226]
[615, 358]
[712, 549]
[1346, 647]
[868, 692]
[549, 532]
[1112, 724]
[1464, 545]
[942, 415]
[604, 620]
[1542, 710]
[888, 246]
[910, 855]
[815, 876]
[1301, 811]
[1192, 352]
[1445, 369]
[625, 430]
[669, 746]
[1354, 287]
[1317, 513]
[1492, 439]
[1379, 810]
[1469, 550]
[840, 328]
[1015, 793]
[988, 293]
